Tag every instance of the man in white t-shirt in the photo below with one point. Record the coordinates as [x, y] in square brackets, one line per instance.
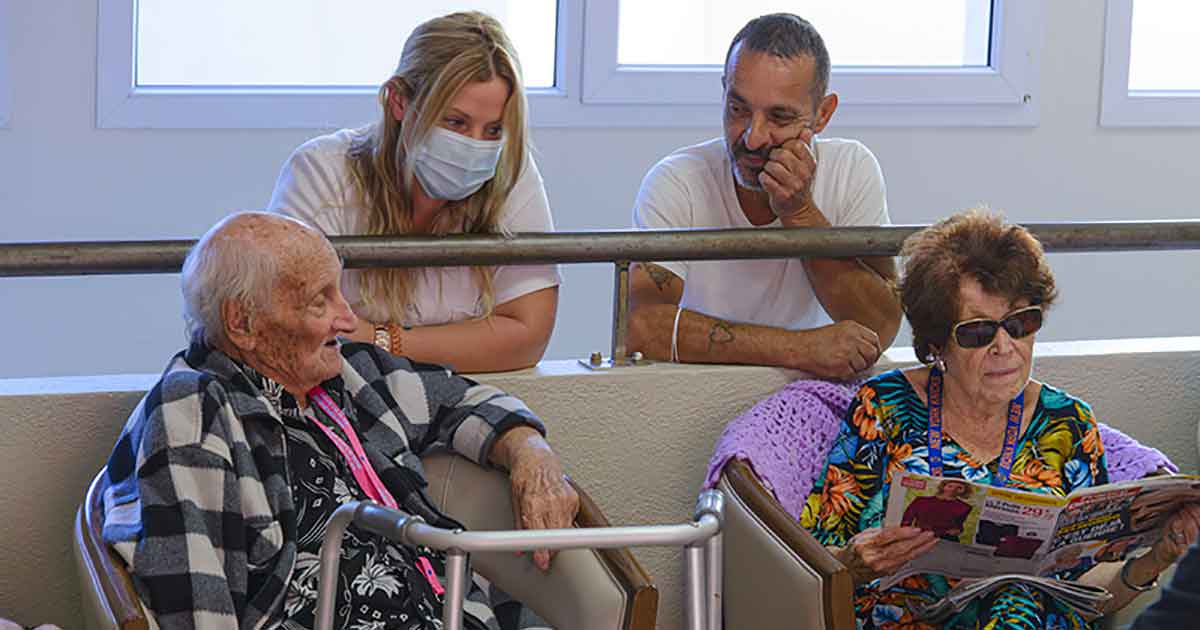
[829, 317]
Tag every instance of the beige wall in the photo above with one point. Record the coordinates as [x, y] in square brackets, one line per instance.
[637, 438]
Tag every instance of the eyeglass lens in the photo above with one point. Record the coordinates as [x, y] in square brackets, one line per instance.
[980, 333]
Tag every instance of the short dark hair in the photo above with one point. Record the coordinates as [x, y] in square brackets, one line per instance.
[788, 36]
[1004, 258]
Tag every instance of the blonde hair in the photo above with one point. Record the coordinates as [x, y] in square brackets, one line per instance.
[440, 57]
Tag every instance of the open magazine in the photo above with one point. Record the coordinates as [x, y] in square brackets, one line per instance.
[998, 535]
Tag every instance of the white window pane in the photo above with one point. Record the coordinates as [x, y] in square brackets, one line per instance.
[1164, 46]
[313, 43]
[857, 32]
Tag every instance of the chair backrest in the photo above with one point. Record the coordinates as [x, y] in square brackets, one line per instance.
[776, 574]
[584, 590]
[109, 599]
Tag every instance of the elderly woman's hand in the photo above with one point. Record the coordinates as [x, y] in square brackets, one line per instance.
[881, 551]
[541, 496]
[1181, 531]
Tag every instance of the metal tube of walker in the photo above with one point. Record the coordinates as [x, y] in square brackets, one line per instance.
[576, 538]
[331, 555]
[695, 587]
[714, 560]
[701, 539]
[456, 589]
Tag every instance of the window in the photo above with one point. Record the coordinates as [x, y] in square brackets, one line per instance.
[952, 33]
[936, 62]
[313, 63]
[278, 63]
[309, 43]
[1150, 74]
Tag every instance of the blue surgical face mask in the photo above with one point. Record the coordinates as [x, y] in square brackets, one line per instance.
[452, 166]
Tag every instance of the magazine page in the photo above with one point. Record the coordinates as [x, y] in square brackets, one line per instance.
[982, 531]
[1107, 523]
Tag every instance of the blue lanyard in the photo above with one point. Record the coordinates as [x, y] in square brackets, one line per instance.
[1012, 430]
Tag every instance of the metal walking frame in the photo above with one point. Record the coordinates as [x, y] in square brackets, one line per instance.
[701, 540]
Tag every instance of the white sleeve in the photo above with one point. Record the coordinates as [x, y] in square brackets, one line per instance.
[663, 203]
[866, 195]
[526, 210]
[312, 189]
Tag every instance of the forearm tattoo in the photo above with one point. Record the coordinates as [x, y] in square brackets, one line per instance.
[721, 334]
[661, 277]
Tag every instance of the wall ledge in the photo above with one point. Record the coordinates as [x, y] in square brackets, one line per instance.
[895, 357]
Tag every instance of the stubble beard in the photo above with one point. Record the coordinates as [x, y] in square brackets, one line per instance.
[749, 182]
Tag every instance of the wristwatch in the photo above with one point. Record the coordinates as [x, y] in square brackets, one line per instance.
[383, 338]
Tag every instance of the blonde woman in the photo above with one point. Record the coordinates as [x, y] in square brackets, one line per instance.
[450, 155]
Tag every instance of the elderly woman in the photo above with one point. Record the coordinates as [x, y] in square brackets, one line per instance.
[975, 291]
[220, 486]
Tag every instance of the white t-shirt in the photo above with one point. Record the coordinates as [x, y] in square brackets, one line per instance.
[694, 188]
[315, 186]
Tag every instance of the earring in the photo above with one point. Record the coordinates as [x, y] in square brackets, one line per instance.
[940, 363]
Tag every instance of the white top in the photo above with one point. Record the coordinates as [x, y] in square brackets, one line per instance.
[315, 186]
[694, 188]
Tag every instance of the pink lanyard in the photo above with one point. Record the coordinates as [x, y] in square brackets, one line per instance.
[364, 472]
[356, 458]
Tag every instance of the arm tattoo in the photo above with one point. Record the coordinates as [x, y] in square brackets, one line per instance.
[661, 277]
[721, 333]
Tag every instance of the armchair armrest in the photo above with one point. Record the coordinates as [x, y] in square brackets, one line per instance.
[776, 573]
[584, 589]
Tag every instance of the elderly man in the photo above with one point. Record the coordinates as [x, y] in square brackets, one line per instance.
[221, 482]
[828, 317]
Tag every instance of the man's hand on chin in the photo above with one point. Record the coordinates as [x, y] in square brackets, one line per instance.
[541, 496]
[788, 177]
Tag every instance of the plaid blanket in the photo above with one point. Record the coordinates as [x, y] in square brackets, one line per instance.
[197, 498]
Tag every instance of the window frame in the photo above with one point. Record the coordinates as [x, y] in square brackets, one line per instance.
[1120, 107]
[591, 90]
[1000, 94]
[6, 78]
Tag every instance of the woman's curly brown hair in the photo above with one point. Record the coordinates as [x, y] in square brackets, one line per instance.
[1004, 258]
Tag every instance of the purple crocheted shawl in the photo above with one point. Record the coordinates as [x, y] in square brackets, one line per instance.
[786, 437]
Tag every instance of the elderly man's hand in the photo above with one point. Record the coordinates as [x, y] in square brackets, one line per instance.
[541, 496]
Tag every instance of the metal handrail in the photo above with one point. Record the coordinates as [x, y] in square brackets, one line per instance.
[618, 247]
[138, 257]
[700, 538]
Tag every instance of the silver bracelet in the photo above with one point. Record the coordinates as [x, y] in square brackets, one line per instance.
[1151, 585]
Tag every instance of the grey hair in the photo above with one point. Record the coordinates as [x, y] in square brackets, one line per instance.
[786, 35]
[222, 267]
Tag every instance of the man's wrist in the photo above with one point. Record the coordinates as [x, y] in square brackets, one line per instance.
[802, 348]
[808, 215]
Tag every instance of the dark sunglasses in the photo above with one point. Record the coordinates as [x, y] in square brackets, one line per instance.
[976, 333]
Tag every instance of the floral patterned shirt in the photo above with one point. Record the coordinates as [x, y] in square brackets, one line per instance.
[886, 430]
[374, 575]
